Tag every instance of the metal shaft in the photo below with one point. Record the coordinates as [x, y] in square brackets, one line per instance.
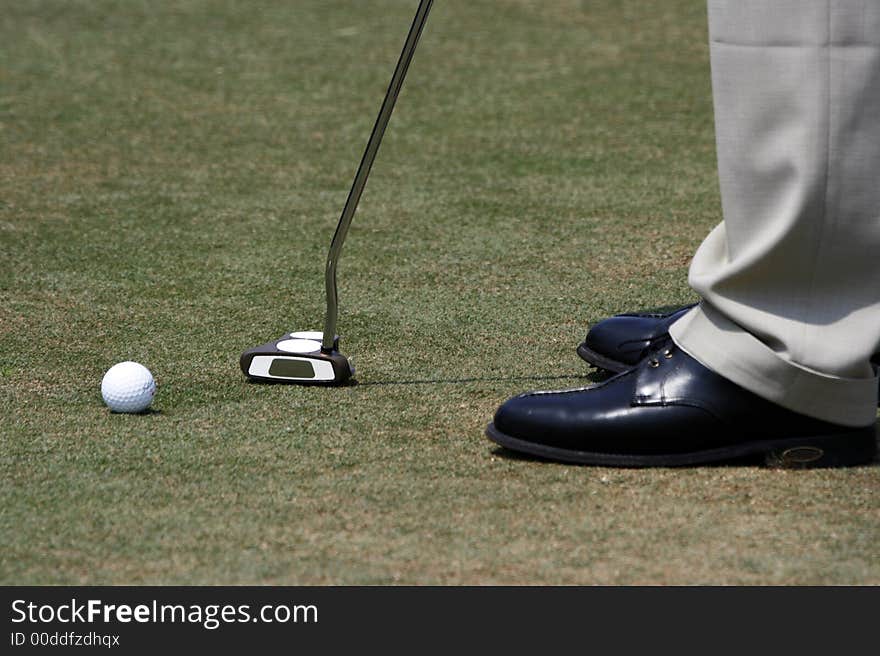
[363, 172]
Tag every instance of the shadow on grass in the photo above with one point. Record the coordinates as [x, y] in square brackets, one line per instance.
[143, 413]
[591, 378]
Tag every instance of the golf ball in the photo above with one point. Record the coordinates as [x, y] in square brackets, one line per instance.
[128, 387]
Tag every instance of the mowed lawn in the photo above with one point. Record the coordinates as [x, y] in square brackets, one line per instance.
[170, 177]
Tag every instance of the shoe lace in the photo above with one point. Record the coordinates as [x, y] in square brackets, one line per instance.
[659, 347]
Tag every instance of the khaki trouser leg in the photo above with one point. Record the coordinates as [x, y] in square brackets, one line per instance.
[790, 280]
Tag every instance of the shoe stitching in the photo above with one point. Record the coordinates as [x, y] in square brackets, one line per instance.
[576, 389]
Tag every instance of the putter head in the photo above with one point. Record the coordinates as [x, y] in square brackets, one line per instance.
[297, 358]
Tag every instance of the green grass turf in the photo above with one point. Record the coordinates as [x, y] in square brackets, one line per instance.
[170, 177]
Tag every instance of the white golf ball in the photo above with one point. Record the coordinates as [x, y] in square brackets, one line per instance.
[128, 387]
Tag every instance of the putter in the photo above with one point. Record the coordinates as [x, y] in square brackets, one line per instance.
[313, 357]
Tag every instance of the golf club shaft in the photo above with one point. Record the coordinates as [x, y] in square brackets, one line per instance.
[363, 172]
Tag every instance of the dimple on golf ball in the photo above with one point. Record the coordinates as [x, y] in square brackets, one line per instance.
[128, 387]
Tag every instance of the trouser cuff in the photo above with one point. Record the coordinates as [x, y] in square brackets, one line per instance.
[728, 350]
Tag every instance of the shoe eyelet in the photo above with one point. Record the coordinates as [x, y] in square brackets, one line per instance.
[668, 354]
[654, 363]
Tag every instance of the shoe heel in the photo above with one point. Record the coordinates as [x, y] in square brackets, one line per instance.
[844, 450]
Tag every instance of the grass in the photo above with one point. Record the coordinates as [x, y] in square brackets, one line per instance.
[170, 176]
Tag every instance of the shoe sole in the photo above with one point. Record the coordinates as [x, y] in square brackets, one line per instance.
[601, 361]
[842, 450]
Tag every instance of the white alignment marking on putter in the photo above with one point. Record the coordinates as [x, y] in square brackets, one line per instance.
[298, 345]
[261, 363]
[308, 334]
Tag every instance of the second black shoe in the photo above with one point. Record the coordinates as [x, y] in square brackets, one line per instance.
[618, 343]
[667, 411]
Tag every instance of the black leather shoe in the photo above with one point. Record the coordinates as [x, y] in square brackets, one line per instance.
[668, 411]
[620, 342]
